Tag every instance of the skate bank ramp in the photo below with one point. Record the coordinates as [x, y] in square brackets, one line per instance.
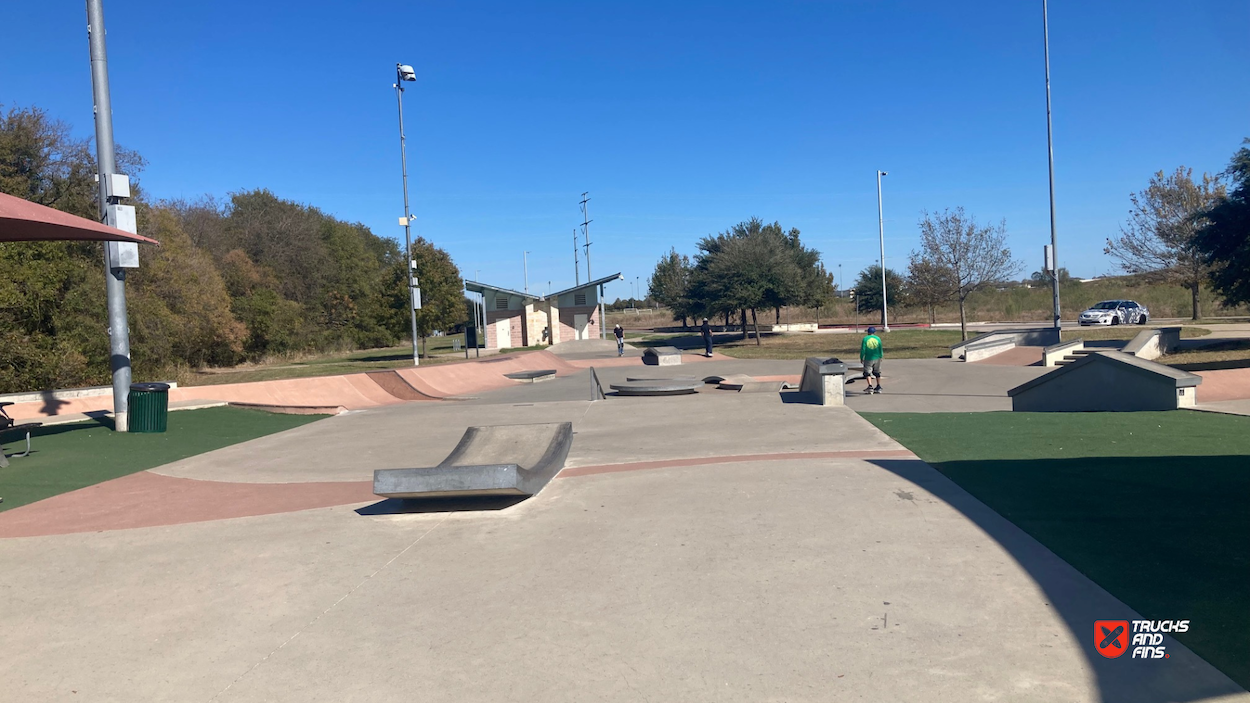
[499, 460]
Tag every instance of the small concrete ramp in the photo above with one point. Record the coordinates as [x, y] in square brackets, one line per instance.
[352, 391]
[499, 460]
[393, 383]
[462, 378]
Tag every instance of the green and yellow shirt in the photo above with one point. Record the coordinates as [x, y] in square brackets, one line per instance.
[870, 348]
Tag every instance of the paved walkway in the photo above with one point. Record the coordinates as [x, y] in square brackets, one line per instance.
[712, 547]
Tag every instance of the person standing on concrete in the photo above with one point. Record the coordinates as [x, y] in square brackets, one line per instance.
[620, 340]
[870, 353]
[706, 331]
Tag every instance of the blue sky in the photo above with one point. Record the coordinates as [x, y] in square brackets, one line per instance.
[681, 119]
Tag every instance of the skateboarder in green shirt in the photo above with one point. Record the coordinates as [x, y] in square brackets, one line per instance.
[870, 351]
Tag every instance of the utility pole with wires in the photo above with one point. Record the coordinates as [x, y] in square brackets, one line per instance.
[586, 236]
[577, 265]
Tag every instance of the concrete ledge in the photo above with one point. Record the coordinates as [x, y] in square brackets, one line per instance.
[664, 387]
[662, 356]
[793, 327]
[1056, 352]
[65, 394]
[501, 460]
[292, 409]
[1154, 343]
[989, 347]
[1037, 337]
[1109, 381]
[823, 381]
[535, 376]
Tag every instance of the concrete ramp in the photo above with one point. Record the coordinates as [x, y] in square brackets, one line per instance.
[1108, 381]
[501, 460]
[393, 383]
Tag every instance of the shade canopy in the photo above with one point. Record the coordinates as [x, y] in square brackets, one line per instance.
[24, 221]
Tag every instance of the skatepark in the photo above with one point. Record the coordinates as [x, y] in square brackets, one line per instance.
[715, 545]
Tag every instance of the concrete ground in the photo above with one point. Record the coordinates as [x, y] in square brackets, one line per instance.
[710, 547]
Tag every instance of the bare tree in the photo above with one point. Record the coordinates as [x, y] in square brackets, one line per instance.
[928, 284]
[1159, 237]
[974, 256]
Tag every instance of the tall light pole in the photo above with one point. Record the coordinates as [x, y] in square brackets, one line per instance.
[885, 316]
[110, 210]
[1050, 155]
[405, 73]
[841, 281]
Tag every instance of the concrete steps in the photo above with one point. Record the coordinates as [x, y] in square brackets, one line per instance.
[1074, 356]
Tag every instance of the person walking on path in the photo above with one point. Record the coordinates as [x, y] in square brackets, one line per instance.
[870, 353]
[706, 331]
[620, 340]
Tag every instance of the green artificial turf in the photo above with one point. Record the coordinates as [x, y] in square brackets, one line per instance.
[68, 457]
[1152, 506]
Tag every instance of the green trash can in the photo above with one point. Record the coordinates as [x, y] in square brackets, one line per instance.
[149, 407]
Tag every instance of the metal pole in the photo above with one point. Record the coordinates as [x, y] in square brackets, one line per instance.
[525, 264]
[403, 159]
[1050, 155]
[885, 316]
[114, 278]
[577, 265]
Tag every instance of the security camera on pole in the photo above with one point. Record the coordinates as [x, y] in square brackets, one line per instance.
[405, 73]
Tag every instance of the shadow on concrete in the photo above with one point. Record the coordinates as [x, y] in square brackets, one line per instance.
[409, 506]
[50, 403]
[1132, 529]
[1213, 365]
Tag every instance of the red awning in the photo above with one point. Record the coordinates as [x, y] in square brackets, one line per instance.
[24, 221]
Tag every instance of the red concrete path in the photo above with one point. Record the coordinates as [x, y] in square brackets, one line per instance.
[1225, 384]
[147, 499]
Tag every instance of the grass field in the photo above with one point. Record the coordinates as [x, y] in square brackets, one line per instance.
[1230, 354]
[1124, 332]
[436, 350]
[1150, 505]
[68, 457]
[899, 344]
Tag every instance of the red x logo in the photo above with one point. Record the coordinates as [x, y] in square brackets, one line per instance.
[1111, 637]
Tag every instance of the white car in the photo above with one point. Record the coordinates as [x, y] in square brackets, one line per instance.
[1115, 312]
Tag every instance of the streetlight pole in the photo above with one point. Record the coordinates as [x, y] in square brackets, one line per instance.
[405, 73]
[114, 277]
[885, 316]
[1050, 155]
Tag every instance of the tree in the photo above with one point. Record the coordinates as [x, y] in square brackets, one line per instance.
[868, 289]
[754, 265]
[442, 296]
[974, 255]
[1042, 278]
[670, 284]
[1225, 241]
[1159, 238]
[179, 307]
[928, 284]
